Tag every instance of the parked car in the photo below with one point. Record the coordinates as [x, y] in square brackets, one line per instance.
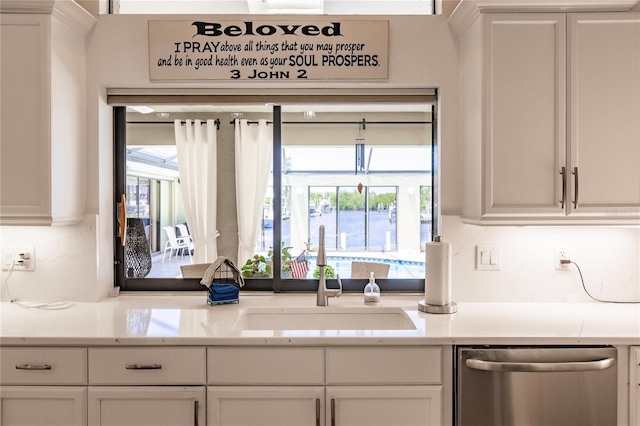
[314, 212]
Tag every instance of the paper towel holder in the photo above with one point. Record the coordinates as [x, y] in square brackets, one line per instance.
[423, 306]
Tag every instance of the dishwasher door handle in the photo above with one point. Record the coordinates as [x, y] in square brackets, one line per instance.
[479, 364]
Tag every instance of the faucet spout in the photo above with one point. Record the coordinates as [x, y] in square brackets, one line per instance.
[321, 262]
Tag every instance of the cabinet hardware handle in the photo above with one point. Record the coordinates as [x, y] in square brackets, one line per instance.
[33, 367]
[317, 411]
[575, 173]
[600, 364]
[333, 412]
[122, 219]
[196, 406]
[143, 366]
[564, 186]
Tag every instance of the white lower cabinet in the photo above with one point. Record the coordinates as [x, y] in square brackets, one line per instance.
[41, 386]
[384, 405]
[225, 386]
[333, 386]
[265, 405]
[146, 405]
[384, 386]
[43, 405]
[265, 386]
[136, 386]
[634, 386]
[309, 405]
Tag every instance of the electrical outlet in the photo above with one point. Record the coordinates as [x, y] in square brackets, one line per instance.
[561, 254]
[24, 257]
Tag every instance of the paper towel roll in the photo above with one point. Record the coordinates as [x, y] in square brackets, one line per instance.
[437, 289]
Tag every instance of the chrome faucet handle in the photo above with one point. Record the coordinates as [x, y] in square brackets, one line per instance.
[325, 293]
[335, 292]
[321, 261]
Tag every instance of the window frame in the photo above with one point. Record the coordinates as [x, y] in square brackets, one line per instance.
[274, 284]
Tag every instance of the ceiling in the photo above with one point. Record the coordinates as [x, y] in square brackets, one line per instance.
[281, 7]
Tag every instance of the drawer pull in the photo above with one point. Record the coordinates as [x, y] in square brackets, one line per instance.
[143, 366]
[33, 367]
[317, 411]
[196, 407]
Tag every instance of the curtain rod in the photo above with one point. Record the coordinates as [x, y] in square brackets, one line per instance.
[362, 123]
[203, 122]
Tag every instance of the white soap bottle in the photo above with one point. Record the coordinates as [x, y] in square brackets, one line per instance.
[371, 291]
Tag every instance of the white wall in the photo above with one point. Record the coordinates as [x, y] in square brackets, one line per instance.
[76, 262]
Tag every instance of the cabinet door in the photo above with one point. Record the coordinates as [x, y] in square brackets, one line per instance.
[24, 135]
[634, 386]
[524, 120]
[635, 404]
[604, 73]
[265, 405]
[146, 405]
[384, 405]
[43, 405]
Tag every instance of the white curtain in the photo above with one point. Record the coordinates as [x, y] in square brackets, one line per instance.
[196, 144]
[254, 148]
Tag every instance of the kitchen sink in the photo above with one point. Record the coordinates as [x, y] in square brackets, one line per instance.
[324, 318]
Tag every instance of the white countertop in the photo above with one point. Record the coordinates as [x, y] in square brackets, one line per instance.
[187, 320]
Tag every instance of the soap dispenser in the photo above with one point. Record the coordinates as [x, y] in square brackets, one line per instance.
[371, 291]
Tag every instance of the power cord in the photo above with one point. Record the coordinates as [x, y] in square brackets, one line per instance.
[57, 305]
[567, 261]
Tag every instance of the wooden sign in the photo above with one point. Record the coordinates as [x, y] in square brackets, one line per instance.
[268, 50]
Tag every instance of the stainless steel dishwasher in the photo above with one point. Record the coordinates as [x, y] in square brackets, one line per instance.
[536, 386]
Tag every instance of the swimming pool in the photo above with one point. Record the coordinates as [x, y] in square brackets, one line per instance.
[398, 268]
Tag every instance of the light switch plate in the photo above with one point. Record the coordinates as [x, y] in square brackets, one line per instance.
[488, 258]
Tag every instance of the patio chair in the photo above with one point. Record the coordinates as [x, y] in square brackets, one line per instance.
[364, 269]
[179, 244]
[195, 270]
[182, 230]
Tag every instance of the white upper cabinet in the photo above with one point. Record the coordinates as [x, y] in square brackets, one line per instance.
[42, 111]
[551, 118]
[604, 129]
[524, 104]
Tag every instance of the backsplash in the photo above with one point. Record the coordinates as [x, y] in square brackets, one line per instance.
[65, 262]
[609, 257]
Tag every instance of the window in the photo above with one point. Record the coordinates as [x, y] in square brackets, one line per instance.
[365, 173]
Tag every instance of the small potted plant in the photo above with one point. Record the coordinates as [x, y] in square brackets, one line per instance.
[329, 272]
[256, 266]
[285, 256]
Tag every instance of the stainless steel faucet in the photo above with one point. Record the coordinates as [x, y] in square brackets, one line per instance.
[321, 262]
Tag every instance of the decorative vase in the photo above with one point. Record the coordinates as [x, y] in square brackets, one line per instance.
[136, 250]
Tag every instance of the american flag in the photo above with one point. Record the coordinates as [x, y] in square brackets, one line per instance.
[299, 267]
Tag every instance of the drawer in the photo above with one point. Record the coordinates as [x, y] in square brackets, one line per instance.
[147, 366]
[265, 366]
[369, 365]
[43, 366]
